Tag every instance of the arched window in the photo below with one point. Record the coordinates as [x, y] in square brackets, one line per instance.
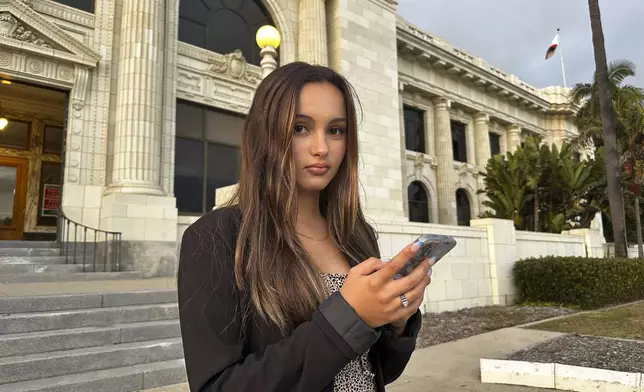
[223, 25]
[463, 211]
[418, 202]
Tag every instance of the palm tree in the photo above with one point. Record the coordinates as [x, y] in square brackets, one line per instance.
[628, 102]
[608, 120]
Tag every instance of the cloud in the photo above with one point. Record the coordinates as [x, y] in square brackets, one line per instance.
[513, 35]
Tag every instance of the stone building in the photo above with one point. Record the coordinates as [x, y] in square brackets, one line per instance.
[127, 114]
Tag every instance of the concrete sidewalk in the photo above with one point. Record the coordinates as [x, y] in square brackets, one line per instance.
[454, 366]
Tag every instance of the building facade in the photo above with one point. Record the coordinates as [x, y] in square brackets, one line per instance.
[127, 114]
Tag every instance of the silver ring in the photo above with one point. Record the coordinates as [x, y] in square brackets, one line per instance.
[404, 301]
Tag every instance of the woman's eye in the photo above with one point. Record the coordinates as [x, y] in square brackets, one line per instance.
[336, 131]
[300, 128]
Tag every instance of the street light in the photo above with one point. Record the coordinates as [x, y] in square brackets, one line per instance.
[268, 39]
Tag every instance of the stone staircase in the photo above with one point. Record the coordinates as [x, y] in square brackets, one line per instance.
[99, 342]
[64, 330]
[41, 261]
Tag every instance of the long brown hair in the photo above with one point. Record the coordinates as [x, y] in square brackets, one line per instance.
[271, 265]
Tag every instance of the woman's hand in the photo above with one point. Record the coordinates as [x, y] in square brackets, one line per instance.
[400, 324]
[374, 294]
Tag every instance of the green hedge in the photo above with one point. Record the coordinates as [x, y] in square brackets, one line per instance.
[579, 281]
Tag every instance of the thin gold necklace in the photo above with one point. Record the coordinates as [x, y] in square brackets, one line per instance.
[314, 239]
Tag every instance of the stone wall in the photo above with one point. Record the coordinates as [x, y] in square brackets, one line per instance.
[478, 271]
[362, 46]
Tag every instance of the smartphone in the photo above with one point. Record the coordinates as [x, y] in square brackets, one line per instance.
[432, 245]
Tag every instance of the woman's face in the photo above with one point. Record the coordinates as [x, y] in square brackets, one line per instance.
[319, 136]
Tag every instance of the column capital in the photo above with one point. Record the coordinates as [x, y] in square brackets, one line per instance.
[442, 103]
[514, 128]
[482, 117]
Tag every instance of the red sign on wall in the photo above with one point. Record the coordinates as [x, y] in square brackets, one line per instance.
[50, 200]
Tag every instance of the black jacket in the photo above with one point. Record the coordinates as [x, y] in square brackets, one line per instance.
[221, 355]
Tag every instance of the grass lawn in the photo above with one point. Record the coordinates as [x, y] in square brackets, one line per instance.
[626, 322]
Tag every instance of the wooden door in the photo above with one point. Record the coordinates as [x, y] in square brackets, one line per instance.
[13, 195]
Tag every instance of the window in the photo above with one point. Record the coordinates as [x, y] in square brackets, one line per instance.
[463, 213]
[223, 26]
[17, 135]
[495, 144]
[206, 157]
[52, 140]
[414, 129]
[83, 5]
[459, 148]
[418, 203]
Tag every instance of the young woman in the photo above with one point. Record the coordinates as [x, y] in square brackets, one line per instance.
[283, 289]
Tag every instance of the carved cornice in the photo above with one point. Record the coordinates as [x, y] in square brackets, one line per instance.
[11, 28]
[437, 52]
[25, 29]
[420, 160]
[223, 81]
[232, 67]
[412, 85]
[390, 5]
[66, 13]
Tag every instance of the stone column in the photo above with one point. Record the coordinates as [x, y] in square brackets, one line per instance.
[135, 203]
[312, 41]
[483, 154]
[514, 137]
[482, 136]
[137, 134]
[445, 175]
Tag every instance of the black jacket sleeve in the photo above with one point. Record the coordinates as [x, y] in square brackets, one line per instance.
[212, 334]
[394, 351]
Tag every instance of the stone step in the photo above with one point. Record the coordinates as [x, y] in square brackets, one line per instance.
[45, 303]
[60, 363]
[101, 317]
[67, 277]
[21, 268]
[69, 339]
[34, 260]
[121, 379]
[28, 244]
[29, 252]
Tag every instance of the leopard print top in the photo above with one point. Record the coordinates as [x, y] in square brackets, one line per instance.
[358, 375]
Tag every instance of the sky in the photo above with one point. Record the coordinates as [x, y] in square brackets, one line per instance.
[513, 35]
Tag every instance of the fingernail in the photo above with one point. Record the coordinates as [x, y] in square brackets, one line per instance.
[429, 272]
[432, 261]
[415, 246]
[386, 259]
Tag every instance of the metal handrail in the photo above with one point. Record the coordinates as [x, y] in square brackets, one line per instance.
[111, 250]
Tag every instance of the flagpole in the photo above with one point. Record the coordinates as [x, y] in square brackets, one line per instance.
[563, 69]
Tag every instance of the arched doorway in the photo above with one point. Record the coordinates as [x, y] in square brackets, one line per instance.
[418, 202]
[463, 208]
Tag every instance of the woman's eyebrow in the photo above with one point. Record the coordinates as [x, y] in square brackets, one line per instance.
[337, 119]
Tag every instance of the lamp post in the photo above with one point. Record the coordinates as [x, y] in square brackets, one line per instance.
[268, 39]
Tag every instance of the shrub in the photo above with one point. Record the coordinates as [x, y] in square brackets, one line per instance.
[579, 281]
